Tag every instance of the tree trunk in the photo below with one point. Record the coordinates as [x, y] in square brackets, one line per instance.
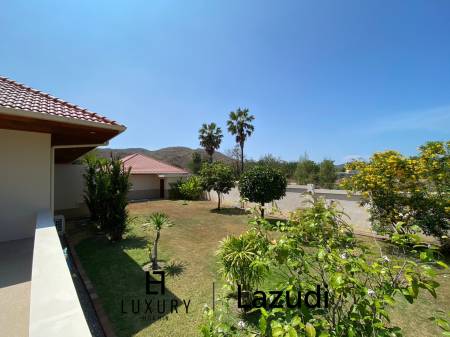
[242, 157]
[218, 198]
[262, 210]
[155, 252]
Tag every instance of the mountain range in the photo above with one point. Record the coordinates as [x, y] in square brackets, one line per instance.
[179, 156]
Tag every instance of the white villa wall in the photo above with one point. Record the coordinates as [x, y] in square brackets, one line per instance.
[141, 182]
[25, 181]
[146, 186]
[69, 186]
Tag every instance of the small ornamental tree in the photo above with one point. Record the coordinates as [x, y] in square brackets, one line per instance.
[262, 184]
[157, 221]
[196, 162]
[307, 171]
[218, 177]
[327, 173]
[405, 194]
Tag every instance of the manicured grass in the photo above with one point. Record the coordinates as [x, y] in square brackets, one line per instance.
[116, 270]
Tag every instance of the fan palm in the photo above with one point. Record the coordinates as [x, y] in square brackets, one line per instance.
[210, 137]
[240, 125]
[157, 221]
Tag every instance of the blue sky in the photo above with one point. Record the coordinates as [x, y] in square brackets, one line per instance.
[332, 78]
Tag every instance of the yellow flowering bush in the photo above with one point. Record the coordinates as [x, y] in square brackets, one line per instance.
[406, 195]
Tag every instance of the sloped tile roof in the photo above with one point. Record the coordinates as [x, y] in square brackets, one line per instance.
[18, 96]
[141, 164]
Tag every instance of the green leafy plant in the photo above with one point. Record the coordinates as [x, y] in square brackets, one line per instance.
[157, 221]
[262, 184]
[210, 136]
[192, 188]
[317, 247]
[237, 256]
[107, 186]
[218, 177]
[327, 174]
[221, 323]
[175, 190]
[307, 171]
[413, 191]
[240, 125]
[196, 162]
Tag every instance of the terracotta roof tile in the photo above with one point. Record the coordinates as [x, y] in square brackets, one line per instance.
[141, 164]
[18, 96]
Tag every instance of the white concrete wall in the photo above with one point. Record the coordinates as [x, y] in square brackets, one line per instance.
[55, 310]
[141, 182]
[69, 186]
[25, 171]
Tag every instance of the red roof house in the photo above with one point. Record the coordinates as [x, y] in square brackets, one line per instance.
[150, 178]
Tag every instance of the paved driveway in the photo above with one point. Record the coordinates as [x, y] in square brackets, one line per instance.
[295, 198]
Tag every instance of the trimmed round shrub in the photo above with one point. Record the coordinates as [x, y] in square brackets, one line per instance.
[262, 184]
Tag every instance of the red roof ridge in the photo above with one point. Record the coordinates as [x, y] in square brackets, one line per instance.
[124, 159]
[61, 101]
[131, 156]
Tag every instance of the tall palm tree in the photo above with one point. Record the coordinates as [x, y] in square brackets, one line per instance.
[157, 221]
[240, 125]
[210, 137]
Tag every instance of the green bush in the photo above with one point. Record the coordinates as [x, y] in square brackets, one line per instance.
[237, 256]
[327, 174]
[192, 188]
[175, 192]
[107, 186]
[317, 247]
[262, 184]
[406, 195]
[307, 171]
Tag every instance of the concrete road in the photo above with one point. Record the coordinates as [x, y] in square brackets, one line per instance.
[296, 198]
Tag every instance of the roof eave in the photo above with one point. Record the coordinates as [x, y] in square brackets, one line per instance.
[47, 117]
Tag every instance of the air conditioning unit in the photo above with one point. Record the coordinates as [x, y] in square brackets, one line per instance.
[60, 224]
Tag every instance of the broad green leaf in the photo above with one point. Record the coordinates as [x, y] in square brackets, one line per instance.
[310, 330]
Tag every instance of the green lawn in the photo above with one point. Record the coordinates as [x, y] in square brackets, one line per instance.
[116, 270]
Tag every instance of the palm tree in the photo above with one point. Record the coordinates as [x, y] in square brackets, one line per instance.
[240, 125]
[210, 137]
[157, 221]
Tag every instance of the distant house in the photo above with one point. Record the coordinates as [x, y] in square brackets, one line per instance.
[150, 178]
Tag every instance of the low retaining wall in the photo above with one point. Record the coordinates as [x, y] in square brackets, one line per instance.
[55, 310]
